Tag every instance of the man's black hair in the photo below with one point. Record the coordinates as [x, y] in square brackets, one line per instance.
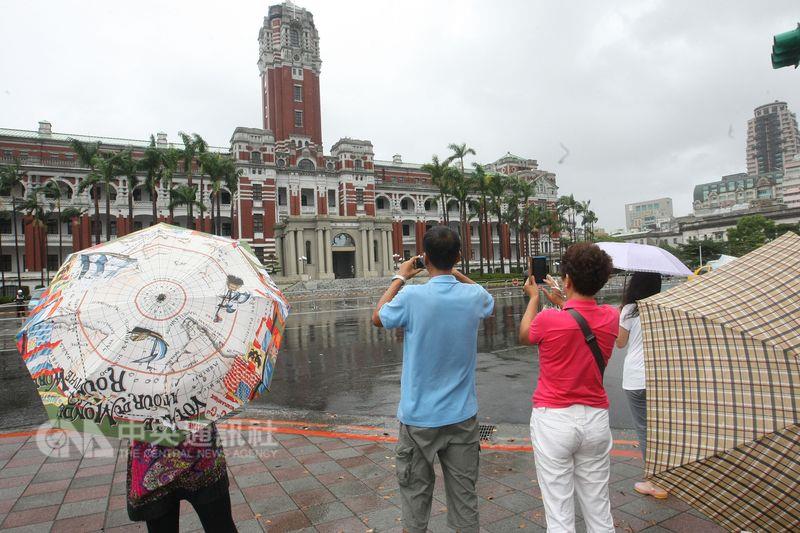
[441, 245]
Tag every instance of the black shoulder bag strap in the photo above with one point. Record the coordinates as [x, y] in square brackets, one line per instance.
[590, 340]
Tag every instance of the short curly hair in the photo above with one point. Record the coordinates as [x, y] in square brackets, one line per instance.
[588, 267]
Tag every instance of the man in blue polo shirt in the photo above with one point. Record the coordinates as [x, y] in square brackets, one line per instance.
[438, 402]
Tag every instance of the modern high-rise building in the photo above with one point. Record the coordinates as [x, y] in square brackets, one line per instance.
[772, 138]
[305, 213]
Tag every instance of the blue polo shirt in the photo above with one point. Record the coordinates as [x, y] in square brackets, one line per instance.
[440, 349]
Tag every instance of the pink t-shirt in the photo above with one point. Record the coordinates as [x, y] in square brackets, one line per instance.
[568, 373]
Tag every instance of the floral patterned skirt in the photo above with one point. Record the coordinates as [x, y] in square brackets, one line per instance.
[160, 476]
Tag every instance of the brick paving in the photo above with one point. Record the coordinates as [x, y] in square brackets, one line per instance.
[302, 479]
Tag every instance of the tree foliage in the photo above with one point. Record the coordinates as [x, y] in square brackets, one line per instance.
[749, 233]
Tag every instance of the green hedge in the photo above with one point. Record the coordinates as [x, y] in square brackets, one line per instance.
[477, 276]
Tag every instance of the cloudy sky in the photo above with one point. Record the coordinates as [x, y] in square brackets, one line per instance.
[649, 97]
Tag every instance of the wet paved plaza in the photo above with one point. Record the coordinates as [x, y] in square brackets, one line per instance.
[334, 360]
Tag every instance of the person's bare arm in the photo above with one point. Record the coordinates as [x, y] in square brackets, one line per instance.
[406, 270]
[622, 338]
[532, 290]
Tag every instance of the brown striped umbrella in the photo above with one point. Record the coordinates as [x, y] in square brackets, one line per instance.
[722, 356]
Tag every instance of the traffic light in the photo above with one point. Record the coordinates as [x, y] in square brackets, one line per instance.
[786, 49]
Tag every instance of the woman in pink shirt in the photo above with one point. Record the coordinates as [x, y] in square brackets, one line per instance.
[569, 422]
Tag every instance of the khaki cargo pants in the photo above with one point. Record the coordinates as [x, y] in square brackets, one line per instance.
[458, 448]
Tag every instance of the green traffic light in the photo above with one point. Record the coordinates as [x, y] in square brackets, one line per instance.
[786, 49]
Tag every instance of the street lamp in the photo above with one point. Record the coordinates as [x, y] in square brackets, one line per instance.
[397, 259]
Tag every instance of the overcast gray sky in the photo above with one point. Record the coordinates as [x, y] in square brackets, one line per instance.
[650, 97]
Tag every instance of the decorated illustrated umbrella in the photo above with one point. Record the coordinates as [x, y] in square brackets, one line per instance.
[722, 356]
[154, 335]
[644, 258]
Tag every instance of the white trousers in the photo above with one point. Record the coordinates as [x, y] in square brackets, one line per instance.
[571, 447]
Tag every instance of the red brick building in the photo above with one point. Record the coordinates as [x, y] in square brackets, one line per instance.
[304, 212]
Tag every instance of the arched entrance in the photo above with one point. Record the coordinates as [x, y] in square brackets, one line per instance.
[343, 249]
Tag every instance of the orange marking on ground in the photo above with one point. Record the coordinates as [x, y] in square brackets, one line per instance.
[29, 433]
[346, 436]
[386, 438]
[314, 433]
[301, 423]
[17, 434]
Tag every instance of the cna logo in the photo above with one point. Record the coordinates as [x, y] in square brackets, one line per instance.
[65, 443]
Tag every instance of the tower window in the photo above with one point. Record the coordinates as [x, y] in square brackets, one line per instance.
[298, 119]
[294, 37]
[258, 223]
[298, 93]
[257, 192]
[360, 196]
[331, 199]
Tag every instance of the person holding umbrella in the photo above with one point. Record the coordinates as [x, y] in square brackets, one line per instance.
[178, 330]
[640, 285]
[570, 428]
[159, 477]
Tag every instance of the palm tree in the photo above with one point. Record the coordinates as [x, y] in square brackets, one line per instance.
[533, 219]
[231, 177]
[11, 178]
[87, 152]
[522, 190]
[35, 209]
[588, 218]
[70, 213]
[170, 158]
[460, 151]
[52, 190]
[439, 175]
[460, 189]
[569, 208]
[185, 195]
[92, 181]
[105, 170]
[127, 166]
[151, 165]
[3, 216]
[498, 184]
[193, 146]
[481, 184]
[211, 164]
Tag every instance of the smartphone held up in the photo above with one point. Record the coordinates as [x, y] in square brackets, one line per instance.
[537, 267]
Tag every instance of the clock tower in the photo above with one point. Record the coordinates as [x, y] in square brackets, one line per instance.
[290, 65]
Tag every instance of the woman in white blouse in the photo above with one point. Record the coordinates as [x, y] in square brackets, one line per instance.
[640, 286]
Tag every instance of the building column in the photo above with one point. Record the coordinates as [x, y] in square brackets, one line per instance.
[280, 255]
[328, 252]
[387, 235]
[364, 253]
[382, 251]
[371, 249]
[320, 253]
[291, 259]
[301, 250]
